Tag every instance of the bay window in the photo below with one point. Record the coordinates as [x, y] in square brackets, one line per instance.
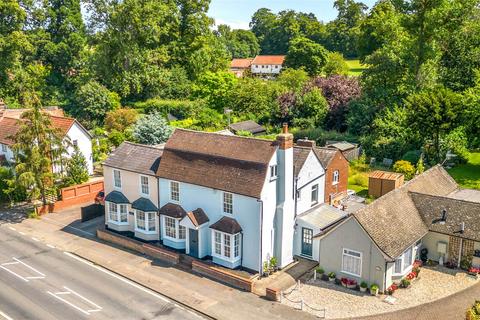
[170, 227]
[117, 213]
[145, 221]
[173, 230]
[352, 262]
[226, 246]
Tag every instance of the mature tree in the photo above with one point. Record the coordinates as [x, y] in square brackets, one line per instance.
[339, 92]
[336, 64]
[239, 43]
[152, 129]
[293, 79]
[311, 109]
[120, 119]
[434, 113]
[305, 53]
[38, 147]
[215, 88]
[92, 101]
[404, 167]
[76, 168]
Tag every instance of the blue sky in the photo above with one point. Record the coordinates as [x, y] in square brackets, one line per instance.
[237, 13]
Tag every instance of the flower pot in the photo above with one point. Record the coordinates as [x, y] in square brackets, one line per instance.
[374, 292]
[331, 279]
[351, 286]
[363, 289]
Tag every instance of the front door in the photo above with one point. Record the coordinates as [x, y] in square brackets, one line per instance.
[307, 240]
[193, 242]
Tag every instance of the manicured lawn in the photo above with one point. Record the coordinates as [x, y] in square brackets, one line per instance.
[468, 175]
[356, 68]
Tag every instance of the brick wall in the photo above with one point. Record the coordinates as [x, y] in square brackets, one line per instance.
[341, 164]
[138, 246]
[222, 275]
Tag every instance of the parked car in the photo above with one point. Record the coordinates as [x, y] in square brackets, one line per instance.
[100, 198]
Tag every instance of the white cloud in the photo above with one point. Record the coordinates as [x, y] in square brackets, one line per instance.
[236, 24]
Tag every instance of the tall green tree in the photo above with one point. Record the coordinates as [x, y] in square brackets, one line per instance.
[76, 168]
[304, 53]
[38, 147]
[152, 129]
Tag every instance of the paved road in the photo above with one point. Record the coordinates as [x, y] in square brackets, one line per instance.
[40, 282]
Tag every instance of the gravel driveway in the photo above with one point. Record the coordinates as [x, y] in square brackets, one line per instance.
[433, 283]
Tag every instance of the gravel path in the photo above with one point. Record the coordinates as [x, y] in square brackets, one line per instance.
[434, 283]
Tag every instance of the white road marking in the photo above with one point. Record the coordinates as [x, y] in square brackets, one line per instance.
[16, 275]
[50, 246]
[67, 226]
[98, 308]
[131, 283]
[35, 239]
[69, 303]
[12, 228]
[31, 268]
[5, 316]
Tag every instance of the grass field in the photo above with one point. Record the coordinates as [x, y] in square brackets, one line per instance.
[356, 68]
[468, 175]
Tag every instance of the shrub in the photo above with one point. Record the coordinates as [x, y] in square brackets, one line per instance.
[331, 275]
[405, 283]
[373, 287]
[320, 270]
[474, 312]
[179, 108]
[405, 167]
[363, 284]
[358, 179]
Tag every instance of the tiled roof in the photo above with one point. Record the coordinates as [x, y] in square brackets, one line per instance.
[430, 208]
[198, 217]
[325, 155]
[227, 225]
[173, 210]
[249, 125]
[300, 155]
[385, 175]
[343, 145]
[277, 59]
[116, 197]
[136, 158]
[241, 63]
[393, 221]
[229, 163]
[8, 129]
[144, 204]
[62, 123]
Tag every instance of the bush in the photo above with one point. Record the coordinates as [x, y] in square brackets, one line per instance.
[363, 284]
[405, 283]
[181, 109]
[331, 275]
[358, 179]
[412, 156]
[474, 312]
[10, 190]
[320, 270]
[320, 136]
[405, 167]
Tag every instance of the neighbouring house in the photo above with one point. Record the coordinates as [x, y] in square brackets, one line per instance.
[379, 243]
[351, 151]
[69, 127]
[267, 66]
[131, 188]
[239, 66]
[230, 199]
[249, 126]
[382, 182]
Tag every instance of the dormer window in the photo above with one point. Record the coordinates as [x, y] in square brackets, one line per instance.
[227, 203]
[273, 172]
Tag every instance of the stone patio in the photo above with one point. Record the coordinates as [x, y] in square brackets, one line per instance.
[433, 283]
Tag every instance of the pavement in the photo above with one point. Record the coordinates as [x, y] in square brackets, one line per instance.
[66, 233]
[38, 281]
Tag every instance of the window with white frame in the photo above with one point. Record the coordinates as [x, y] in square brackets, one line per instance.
[4, 148]
[314, 196]
[273, 172]
[117, 213]
[144, 185]
[182, 232]
[170, 227]
[226, 246]
[403, 262]
[117, 179]
[75, 143]
[336, 176]
[174, 191]
[146, 221]
[227, 202]
[352, 262]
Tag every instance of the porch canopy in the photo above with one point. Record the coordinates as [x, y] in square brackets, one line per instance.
[195, 219]
[117, 197]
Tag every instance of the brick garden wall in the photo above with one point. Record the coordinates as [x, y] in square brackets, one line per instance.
[222, 275]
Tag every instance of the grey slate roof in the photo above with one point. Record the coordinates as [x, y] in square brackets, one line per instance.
[227, 225]
[300, 155]
[173, 210]
[198, 217]
[116, 197]
[430, 208]
[466, 194]
[144, 204]
[136, 158]
[325, 155]
[322, 216]
[393, 221]
[249, 125]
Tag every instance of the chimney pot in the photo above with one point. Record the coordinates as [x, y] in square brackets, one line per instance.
[285, 128]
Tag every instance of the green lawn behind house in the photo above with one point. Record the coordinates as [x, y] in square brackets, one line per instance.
[356, 68]
[468, 175]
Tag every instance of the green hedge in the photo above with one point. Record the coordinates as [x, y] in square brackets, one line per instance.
[179, 108]
[321, 136]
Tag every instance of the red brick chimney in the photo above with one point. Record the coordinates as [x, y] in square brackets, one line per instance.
[285, 139]
[306, 143]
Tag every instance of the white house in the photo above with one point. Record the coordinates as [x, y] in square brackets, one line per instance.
[267, 65]
[69, 127]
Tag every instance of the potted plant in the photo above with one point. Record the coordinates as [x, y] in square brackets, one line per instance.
[392, 288]
[363, 286]
[405, 283]
[266, 269]
[344, 281]
[273, 264]
[374, 289]
[320, 271]
[351, 284]
[331, 276]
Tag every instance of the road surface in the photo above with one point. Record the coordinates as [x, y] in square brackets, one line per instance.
[40, 282]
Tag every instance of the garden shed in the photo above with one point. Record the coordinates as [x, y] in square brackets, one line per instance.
[382, 182]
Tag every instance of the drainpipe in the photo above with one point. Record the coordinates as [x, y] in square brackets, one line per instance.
[158, 213]
[460, 253]
[295, 190]
[261, 236]
[241, 250]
